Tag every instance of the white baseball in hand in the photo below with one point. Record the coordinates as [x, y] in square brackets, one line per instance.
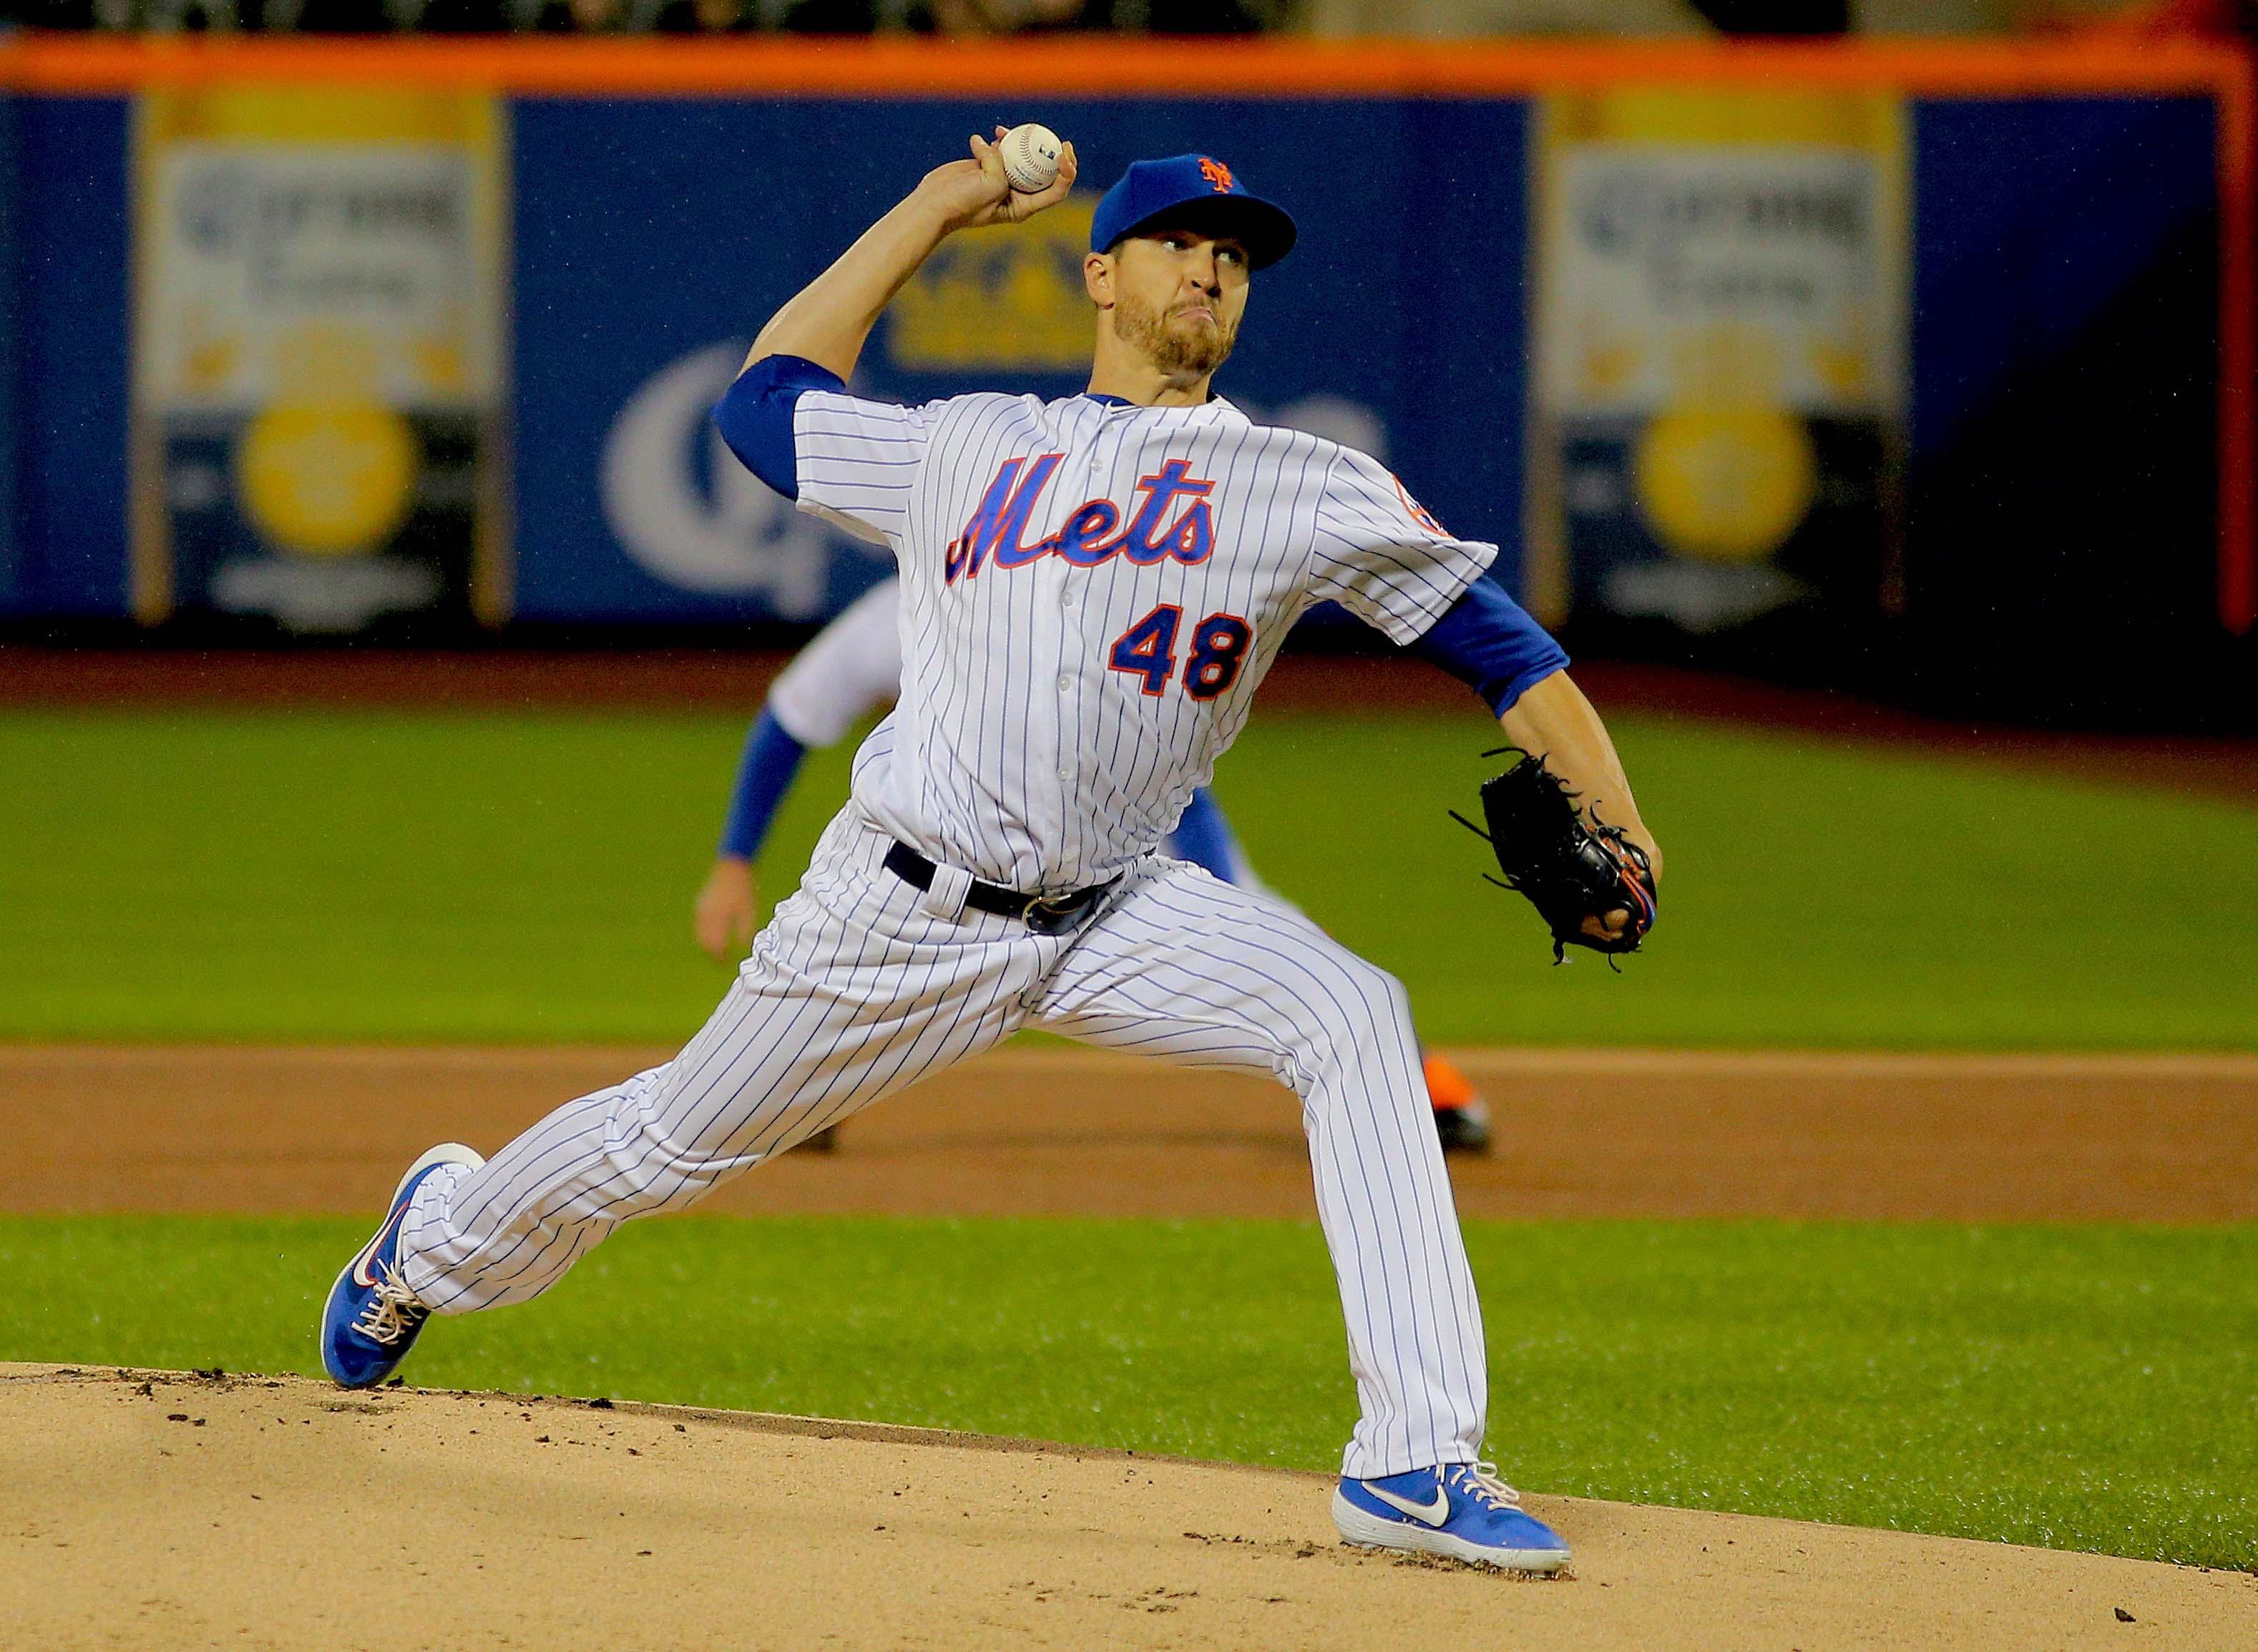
[1031, 157]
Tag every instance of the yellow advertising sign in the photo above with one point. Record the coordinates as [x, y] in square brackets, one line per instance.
[317, 354]
[1719, 346]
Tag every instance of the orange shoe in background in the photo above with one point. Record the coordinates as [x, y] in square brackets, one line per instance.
[1461, 1116]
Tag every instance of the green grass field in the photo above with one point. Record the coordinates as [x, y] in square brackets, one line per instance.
[528, 877]
[2090, 1389]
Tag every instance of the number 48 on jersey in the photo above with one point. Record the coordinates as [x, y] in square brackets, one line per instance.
[1148, 649]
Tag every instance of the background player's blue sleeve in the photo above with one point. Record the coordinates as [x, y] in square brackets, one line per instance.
[1488, 642]
[772, 758]
[1203, 837]
[754, 416]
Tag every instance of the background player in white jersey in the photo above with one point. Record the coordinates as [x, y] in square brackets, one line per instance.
[1081, 655]
[852, 666]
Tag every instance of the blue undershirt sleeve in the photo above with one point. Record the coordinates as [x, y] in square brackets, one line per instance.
[754, 416]
[765, 774]
[1489, 643]
[1203, 837]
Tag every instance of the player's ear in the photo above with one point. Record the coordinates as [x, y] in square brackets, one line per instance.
[1098, 278]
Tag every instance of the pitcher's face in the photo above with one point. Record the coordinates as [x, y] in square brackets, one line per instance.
[1178, 295]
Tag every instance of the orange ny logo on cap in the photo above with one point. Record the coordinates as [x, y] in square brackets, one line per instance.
[1217, 174]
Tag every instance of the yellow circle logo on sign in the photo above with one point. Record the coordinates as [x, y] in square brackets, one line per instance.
[329, 478]
[1725, 483]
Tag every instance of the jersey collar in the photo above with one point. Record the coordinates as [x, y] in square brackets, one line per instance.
[1213, 407]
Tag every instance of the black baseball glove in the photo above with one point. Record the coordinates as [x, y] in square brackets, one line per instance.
[1567, 869]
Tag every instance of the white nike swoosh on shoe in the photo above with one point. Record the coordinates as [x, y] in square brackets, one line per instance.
[360, 1273]
[1433, 1514]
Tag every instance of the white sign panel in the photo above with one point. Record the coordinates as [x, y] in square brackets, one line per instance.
[1725, 272]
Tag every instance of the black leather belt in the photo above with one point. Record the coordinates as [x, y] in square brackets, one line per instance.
[1045, 914]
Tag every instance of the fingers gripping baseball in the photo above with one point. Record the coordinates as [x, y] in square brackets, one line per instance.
[979, 191]
[1014, 205]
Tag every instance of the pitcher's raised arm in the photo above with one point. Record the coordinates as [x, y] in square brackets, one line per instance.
[828, 321]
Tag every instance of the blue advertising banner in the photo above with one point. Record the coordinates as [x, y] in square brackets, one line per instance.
[11, 276]
[2033, 217]
[654, 237]
[2057, 363]
[73, 264]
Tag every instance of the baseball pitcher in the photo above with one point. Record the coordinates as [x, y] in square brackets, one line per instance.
[1091, 590]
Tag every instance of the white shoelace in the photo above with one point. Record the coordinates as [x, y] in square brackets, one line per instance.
[1480, 1480]
[393, 1312]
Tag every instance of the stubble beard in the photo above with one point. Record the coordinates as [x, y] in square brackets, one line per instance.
[1175, 350]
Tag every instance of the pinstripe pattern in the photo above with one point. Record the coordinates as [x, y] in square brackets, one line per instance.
[855, 664]
[853, 992]
[1023, 757]
[1197, 973]
[1019, 755]
[850, 993]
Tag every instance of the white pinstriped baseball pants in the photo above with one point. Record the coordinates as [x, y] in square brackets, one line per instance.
[856, 988]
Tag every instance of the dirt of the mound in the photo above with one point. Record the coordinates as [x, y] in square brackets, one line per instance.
[1053, 1130]
[157, 1511]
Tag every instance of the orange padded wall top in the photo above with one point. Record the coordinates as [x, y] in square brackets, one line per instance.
[1089, 67]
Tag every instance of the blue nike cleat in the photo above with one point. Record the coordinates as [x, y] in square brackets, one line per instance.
[1461, 1509]
[370, 1319]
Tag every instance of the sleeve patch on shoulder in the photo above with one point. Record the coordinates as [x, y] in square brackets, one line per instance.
[1417, 512]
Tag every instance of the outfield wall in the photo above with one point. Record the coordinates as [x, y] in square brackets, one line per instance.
[1709, 338]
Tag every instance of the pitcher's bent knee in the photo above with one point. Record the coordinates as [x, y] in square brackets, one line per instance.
[1369, 1019]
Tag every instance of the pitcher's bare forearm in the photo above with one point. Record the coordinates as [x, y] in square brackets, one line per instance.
[1553, 720]
[828, 320]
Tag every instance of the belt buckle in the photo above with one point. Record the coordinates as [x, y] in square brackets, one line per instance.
[1047, 914]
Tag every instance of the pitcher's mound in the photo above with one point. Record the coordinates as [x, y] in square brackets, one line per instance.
[163, 1510]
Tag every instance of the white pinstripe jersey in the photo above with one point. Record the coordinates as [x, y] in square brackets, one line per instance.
[1090, 594]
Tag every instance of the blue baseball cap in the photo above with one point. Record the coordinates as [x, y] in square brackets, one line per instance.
[1207, 193]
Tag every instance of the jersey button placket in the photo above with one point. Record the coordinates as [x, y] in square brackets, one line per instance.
[1070, 582]
[1063, 686]
[1058, 619]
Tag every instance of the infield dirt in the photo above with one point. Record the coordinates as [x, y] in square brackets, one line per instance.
[1054, 1130]
[151, 1510]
